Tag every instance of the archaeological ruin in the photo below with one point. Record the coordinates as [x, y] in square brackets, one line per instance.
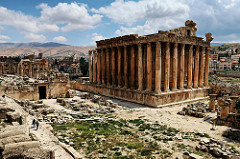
[155, 70]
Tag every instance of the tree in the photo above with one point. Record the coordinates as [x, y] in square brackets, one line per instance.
[84, 66]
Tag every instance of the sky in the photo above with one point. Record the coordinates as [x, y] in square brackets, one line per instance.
[82, 22]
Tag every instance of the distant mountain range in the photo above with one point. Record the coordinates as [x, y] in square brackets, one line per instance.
[49, 49]
[33, 44]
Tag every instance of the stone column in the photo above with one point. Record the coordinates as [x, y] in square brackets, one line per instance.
[174, 67]
[31, 70]
[167, 67]
[99, 67]
[189, 78]
[132, 70]
[94, 66]
[90, 66]
[196, 68]
[149, 67]
[140, 68]
[201, 68]
[108, 66]
[113, 68]
[103, 66]
[119, 67]
[233, 104]
[158, 67]
[125, 67]
[181, 69]
[212, 101]
[206, 67]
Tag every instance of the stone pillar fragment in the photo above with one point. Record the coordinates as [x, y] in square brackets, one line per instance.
[132, 70]
[206, 67]
[125, 67]
[233, 104]
[190, 60]
[212, 101]
[167, 67]
[201, 68]
[113, 68]
[140, 68]
[174, 67]
[158, 67]
[196, 68]
[149, 67]
[181, 69]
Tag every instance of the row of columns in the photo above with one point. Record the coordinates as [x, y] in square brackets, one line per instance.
[100, 69]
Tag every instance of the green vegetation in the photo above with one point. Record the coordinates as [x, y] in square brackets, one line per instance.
[110, 137]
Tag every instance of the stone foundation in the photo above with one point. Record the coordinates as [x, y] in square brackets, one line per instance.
[143, 97]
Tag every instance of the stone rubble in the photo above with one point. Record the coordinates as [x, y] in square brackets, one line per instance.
[197, 110]
[217, 148]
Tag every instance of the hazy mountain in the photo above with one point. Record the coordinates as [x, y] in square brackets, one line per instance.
[48, 49]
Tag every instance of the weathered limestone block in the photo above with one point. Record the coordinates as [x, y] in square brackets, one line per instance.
[29, 149]
[12, 132]
[13, 139]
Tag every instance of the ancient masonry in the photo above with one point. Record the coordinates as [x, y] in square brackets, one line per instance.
[157, 69]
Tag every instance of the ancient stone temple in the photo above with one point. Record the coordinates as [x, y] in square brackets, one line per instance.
[156, 69]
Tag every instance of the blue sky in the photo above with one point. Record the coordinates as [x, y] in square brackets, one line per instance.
[82, 22]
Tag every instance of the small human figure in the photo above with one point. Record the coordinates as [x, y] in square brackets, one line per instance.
[34, 122]
[37, 125]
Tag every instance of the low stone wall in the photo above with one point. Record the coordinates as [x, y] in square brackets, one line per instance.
[142, 97]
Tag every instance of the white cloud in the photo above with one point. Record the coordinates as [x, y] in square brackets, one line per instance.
[64, 17]
[130, 12]
[156, 14]
[35, 37]
[59, 39]
[5, 37]
[75, 16]
[97, 37]
[24, 23]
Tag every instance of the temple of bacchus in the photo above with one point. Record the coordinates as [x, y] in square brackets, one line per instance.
[156, 69]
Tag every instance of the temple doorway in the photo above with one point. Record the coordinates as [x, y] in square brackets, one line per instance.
[42, 92]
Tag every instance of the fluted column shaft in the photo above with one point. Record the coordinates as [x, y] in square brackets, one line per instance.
[113, 68]
[206, 67]
[196, 68]
[181, 69]
[94, 66]
[99, 70]
[158, 67]
[119, 67]
[167, 67]
[90, 67]
[190, 61]
[125, 67]
[132, 70]
[103, 68]
[149, 67]
[140, 68]
[201, 68]
[108, 66]
[174, 67]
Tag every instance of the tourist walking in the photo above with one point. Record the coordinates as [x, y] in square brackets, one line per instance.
[34, 122]
[37, 125]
